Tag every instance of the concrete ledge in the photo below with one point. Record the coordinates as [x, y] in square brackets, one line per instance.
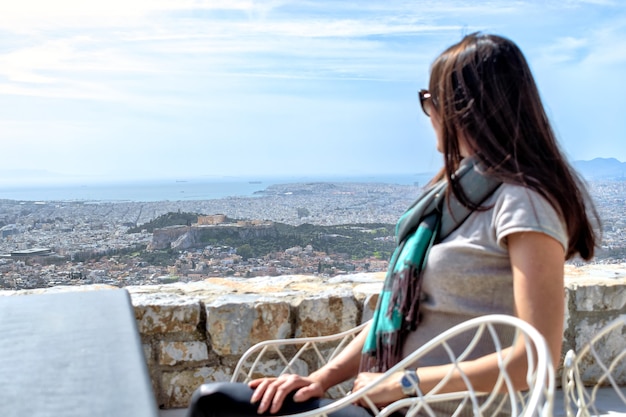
[195, 332]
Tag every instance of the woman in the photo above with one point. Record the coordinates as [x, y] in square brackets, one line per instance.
[506, 257]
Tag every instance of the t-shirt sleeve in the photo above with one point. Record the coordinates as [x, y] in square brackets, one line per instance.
[519, 209]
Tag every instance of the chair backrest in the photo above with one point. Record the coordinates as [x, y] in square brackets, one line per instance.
[601, 363]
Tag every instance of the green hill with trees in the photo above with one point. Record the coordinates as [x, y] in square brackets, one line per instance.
[355, 241]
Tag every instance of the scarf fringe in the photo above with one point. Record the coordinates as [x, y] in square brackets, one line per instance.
[406, 296]
[388, 352]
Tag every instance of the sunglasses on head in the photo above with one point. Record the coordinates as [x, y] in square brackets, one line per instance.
[426, 101]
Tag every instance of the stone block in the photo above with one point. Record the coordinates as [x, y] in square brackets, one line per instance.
[369, 306]
[178, 386]
[147, 353]
[606, 349]
[326, 313]
[568, 322]
[173, 353]
[166, 313]
[233, 326]
[601, 296]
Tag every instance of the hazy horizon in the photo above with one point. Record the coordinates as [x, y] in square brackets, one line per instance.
[41, 179]
[37, 179]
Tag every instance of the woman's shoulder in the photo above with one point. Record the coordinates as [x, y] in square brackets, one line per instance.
[516, 208]
[514, 194]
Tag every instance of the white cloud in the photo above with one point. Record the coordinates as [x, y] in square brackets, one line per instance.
[26, 16]
[156, 78]
[67, 67]
[342, 39]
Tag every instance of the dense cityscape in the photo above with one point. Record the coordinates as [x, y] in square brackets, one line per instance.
[50, 243]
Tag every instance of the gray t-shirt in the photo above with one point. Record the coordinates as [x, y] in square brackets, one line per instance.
[469, 273]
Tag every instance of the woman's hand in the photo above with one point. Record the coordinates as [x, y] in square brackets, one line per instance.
[382, 394]
[270, 393]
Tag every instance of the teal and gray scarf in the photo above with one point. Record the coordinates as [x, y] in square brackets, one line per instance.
[429, 220]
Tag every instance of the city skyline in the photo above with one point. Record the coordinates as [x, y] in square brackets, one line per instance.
[145, 89]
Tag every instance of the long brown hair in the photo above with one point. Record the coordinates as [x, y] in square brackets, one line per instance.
[483, 90]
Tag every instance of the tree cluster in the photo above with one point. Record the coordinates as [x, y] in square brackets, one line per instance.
[165, 220]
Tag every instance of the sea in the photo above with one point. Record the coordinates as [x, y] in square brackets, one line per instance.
[182, 190]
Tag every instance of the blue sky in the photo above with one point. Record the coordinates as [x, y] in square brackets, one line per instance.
[140, 89]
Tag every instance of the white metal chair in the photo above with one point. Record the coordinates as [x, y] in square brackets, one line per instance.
[312, 352]
[597, 365]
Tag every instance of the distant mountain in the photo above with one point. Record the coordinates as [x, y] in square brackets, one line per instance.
[601, 169]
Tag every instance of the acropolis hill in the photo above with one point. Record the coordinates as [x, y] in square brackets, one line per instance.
[185, 237]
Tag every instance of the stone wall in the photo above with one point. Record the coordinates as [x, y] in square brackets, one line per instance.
[196, 332]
